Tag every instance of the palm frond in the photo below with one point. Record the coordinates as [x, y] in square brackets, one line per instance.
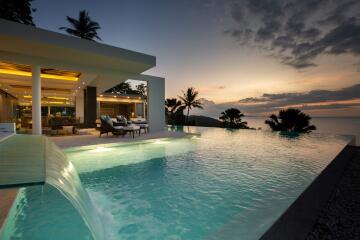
[82, 27]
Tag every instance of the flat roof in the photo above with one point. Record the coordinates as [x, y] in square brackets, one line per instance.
[33, 42]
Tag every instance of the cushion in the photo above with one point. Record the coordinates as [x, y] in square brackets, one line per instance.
[109, 121]
[122, 119]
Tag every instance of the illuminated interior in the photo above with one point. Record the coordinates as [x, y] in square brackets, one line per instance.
[130, 106]
[58, 92]
[58, 89]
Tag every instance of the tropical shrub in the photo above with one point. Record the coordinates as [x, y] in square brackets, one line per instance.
[290, 120]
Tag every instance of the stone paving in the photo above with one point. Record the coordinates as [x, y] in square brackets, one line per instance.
[340, 219]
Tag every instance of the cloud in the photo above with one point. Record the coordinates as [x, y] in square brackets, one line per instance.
[348, 93]
[344, 98]
[296, 32]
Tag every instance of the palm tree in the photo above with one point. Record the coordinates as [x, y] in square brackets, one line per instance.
[122, 88]
[190, 100]
[82, 27]
[141, 89]
[174, 111]
[17, 10]
[172, 104]
[290, 120]
[231, 117]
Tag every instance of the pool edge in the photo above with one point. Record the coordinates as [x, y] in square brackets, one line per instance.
[7, 199]
[298, 220]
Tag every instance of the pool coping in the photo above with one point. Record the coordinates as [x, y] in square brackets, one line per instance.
[298, 220]
[7, 198]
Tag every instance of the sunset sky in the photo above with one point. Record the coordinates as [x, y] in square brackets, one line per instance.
[257, 55]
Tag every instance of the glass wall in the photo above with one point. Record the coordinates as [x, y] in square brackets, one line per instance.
[115, 109]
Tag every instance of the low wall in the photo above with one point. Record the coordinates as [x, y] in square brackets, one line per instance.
[298, 220]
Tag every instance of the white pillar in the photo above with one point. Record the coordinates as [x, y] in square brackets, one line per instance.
[36, 100]
[156, 103]
[144, 109]
[98, 109]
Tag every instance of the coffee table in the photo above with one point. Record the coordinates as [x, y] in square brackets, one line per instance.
[132, 129]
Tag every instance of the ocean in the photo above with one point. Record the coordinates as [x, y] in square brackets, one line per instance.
[331, 125]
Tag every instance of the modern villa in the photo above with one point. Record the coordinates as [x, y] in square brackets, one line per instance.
[177, 182]
[43, 72]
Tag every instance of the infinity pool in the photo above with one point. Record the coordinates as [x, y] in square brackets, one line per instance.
[222, 185]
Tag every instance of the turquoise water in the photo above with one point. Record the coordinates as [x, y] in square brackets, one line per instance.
[222, 185]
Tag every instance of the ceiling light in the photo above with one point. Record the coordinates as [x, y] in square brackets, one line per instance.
[56, 102]
[43, 75]
[60, 98]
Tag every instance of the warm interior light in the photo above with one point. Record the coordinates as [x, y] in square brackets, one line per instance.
[55, 102]
[108, 99]
[43, 75]
[15, 72]
[57, 98]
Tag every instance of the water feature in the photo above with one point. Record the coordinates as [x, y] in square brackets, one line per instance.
[61, 174]
[39, 161]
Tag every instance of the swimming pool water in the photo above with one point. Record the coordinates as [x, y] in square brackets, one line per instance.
[222, 185]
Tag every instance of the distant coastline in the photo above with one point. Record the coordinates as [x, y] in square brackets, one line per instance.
[329, 125]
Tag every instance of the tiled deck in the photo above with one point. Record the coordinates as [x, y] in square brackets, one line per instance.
[5, 135]
[7, 197]
[92, 138]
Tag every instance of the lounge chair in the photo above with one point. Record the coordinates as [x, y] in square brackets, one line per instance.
[107, 125]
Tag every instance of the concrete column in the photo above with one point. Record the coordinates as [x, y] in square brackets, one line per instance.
[90, 105]
[144, 109]
[79, 106]
[36, 100]
[135, 111]
[97, 109]
[156, 103]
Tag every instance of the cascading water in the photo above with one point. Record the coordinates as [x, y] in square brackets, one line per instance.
[61, 174]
